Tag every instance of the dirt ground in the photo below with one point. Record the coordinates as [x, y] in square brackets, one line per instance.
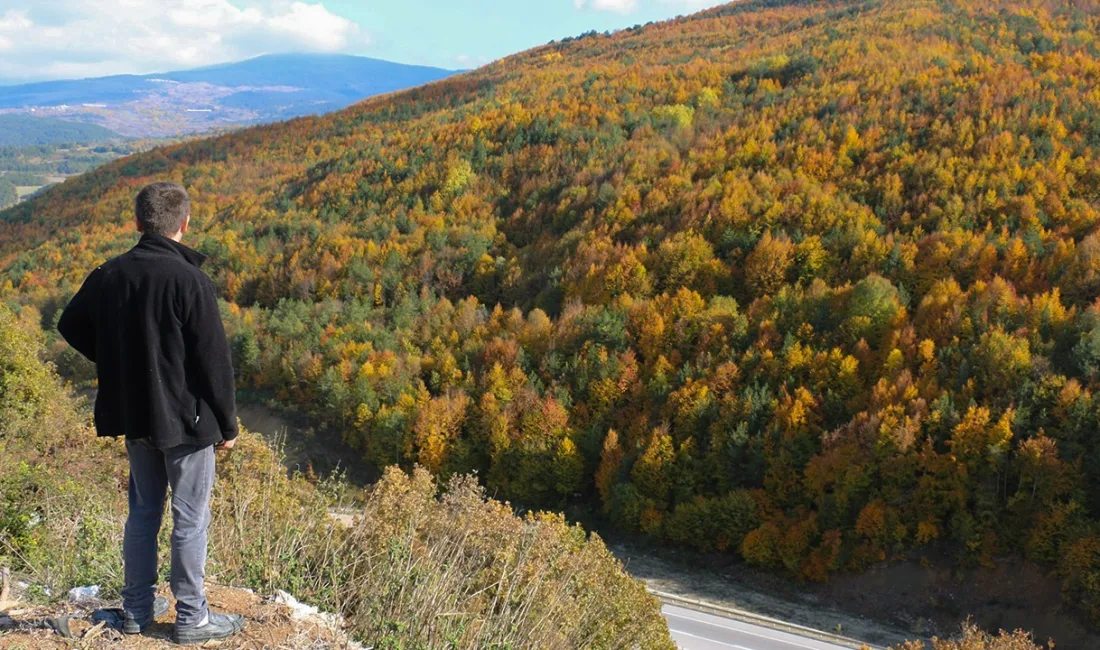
[1014, 595]
[883, 605]
[716, 579]
[270, 626]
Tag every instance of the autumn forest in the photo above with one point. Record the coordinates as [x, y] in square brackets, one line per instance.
[810, 283]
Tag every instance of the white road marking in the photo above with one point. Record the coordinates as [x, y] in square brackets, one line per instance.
[739, 631]
[703, 638]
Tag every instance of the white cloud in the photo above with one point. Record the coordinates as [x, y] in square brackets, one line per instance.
[80, 38]
[467, 62]
[13, 20]
[212, 14]
[314, 26]
[618, 6]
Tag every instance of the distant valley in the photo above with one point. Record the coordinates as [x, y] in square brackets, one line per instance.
[52, 130]
[174, 104]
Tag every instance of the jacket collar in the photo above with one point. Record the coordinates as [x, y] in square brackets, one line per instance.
[163, 244]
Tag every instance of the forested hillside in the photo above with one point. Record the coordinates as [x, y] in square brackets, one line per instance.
[813, 283]
[27, 131]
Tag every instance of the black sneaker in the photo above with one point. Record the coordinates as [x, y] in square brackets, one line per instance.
[130, 625]
[217, 626]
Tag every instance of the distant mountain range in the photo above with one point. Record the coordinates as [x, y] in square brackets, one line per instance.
[263, 89]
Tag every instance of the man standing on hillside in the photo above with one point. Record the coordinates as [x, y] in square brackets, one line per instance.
[149, 321]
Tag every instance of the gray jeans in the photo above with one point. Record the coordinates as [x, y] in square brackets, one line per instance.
[189, 470]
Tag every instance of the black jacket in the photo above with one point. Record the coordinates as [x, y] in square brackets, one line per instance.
[149, 321]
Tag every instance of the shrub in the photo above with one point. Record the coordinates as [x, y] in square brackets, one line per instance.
[973, 638]
[31, 399]
[459, 566]
[61, 511]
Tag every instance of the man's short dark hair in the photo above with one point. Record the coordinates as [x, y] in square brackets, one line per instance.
[162, 208]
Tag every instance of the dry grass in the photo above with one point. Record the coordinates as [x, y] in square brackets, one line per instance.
[973, 638]
[425, 569]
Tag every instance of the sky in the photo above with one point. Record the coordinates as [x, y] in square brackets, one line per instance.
[68, 39]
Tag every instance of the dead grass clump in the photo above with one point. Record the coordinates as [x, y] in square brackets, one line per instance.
[972, 638]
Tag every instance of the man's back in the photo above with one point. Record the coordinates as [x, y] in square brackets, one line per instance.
[149, 320]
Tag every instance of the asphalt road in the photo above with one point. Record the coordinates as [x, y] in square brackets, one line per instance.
[694, 630]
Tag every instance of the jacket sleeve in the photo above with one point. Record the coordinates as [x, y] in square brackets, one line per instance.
[209, 356]
[77, 322]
